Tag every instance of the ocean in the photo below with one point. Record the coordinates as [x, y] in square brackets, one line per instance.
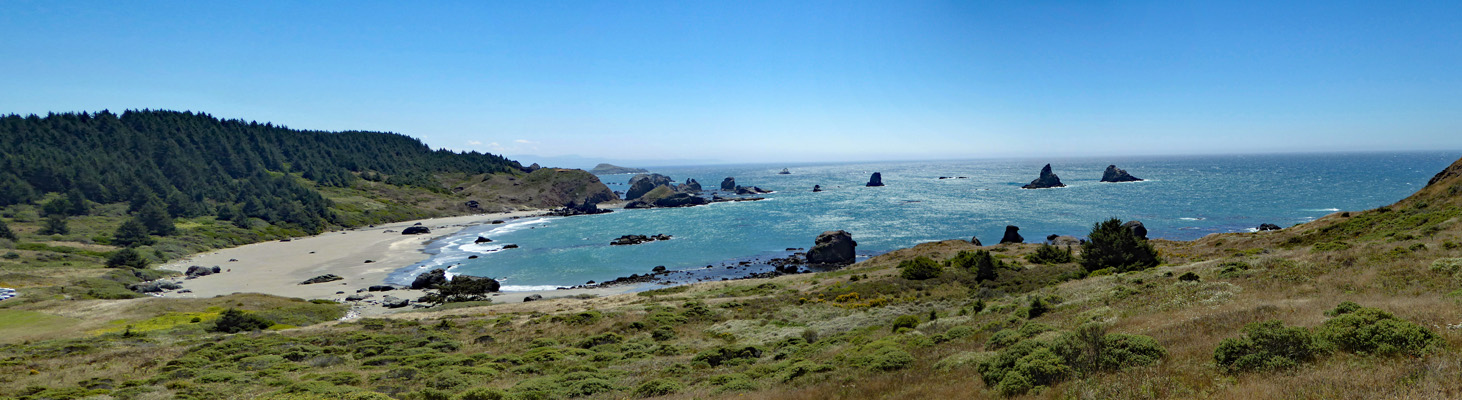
[1182, 198]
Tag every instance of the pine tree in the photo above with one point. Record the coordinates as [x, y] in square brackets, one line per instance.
[131, 234]
[155, 217]
[76, 203]
[55, 225]
[1112, 245]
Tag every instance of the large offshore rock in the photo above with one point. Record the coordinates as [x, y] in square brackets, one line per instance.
[833, 247]
[1046, 180]
[1114, 174]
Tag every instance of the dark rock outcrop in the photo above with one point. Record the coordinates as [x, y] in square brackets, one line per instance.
[644, 183]
[415, 230]
[751, 190]
[637, 239]
[430, 280]
[784, 172]
[153, 287]
[833, 247]
[690, 186]
[1046, 180]
[728, 184]
[322, 279]
[1012, 235]
[875, 180]
[975, 240]
[380, 288]
[1061, 240]
[510, 246]
[659, 269]
[481, 240]
[198, 270]
[1137, 228]
[816, 188]
[359, 297]
[574, 208]
[681, 200]
[1268, 227]
[1114, 174]
[535, 297]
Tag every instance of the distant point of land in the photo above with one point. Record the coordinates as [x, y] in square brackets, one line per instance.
[610, 169]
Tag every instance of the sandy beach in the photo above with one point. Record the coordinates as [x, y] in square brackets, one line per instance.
[278, 267]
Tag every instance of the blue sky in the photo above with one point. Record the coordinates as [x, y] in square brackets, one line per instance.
[749, 81]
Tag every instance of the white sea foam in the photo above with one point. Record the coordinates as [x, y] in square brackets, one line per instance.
[1192, 218]
[1323, 209]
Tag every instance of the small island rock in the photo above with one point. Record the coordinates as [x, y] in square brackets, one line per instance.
[1114, 174]
[641, 184]
[728, 184]
[1046, 180]
[875, 180]
[1012, 235]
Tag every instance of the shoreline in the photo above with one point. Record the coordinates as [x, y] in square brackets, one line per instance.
[363, 256]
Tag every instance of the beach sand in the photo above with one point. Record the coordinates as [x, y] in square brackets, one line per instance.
[278, 267]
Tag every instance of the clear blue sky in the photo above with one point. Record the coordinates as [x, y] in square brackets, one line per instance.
[768, 81]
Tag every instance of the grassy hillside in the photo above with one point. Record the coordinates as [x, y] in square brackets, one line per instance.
[1241, 316]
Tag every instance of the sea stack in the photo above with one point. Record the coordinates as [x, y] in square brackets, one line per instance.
[1137, 228]
[644, 183]
[784, 172]
[816, 188]
[1012, 233]
[875, 180]
[728, 184]
[1114, 174]
[1046, 180]
[833, 247]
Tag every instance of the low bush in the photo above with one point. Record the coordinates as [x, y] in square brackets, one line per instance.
[920, 269]
[985, 266]
[1007, 337]
[1268, 345]
[1373, 331]
[905, 321]
[234, 321]
[1037, 362]
[657, 387]
[481, 393]
[1048, 254]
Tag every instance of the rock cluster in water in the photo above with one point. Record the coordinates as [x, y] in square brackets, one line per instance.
[1046, 180]
[642, 184]
[627, 240]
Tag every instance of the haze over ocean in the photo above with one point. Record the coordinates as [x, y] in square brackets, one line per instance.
[1183, 198]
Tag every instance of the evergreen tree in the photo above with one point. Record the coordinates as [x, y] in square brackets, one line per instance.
[131, 234]
[6, 233]
[155, 217]
[127, 257]
[55, 225]
[57, 206]
[1110, 245]
[76, 202]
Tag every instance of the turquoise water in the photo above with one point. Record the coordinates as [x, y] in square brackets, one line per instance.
[1183, 198]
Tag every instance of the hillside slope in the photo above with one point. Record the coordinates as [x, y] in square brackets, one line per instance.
[877, 330]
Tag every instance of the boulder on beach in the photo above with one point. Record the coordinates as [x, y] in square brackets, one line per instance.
[322, 279]
[380, 288]
[1114, 174]
[875, 180]
[728, 184]
[430, 279]
[833, 247]
[535, 297]
[1268, 227]
[394, 302]
[641, 184]
[415, 230]
[198, 270]
[1137, 228]
[1046, 180]
[1012, 235]
[153, 286]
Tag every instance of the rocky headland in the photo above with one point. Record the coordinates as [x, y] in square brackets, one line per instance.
[611, 169]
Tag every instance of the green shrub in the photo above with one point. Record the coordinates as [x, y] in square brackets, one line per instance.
[481, 393]
[127, 257]
[1373, 331]
[234, 321]
[985, 266]
[601, 339]
[1006, 337]
[718, 356]
[920, 269]
[663, 333]
[905, 321]
[1033, 363]
[1048, 254]
[1111, 245]
[657, 387]
[1038, 307]
[1267, 345]
[1188, 277]
[886, 358]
